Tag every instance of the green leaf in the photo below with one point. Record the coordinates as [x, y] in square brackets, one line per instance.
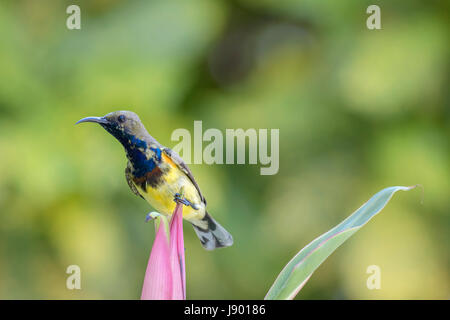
[298, 271]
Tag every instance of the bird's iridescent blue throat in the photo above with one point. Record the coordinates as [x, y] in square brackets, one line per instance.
[135, 149]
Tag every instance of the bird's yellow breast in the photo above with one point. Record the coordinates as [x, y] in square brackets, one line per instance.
[161, 196]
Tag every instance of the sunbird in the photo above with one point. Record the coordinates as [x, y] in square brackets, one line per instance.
[159, 175]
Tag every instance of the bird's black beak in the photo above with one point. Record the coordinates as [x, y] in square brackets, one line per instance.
[101, 120]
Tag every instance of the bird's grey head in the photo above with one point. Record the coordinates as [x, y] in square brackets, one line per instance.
[125, 126]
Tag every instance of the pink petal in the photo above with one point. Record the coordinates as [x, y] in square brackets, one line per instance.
[177, 259]
[158, 283]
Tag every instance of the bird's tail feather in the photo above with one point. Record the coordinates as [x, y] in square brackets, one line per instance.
[211, 234]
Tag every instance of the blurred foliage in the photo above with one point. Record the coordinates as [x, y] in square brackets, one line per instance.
[357, 110]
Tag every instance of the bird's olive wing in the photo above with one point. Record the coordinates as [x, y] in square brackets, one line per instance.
[130, 181]
[183, 167]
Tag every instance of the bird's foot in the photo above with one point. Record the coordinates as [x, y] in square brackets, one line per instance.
[152, 215]
[178, 198]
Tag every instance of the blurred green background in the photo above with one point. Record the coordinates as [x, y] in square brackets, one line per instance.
[358, 110]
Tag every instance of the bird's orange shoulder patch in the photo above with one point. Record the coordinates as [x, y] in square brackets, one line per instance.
[169, 160]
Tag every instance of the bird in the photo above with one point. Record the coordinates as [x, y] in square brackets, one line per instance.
[159, 175]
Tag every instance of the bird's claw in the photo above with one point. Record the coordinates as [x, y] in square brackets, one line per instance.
[178, 198]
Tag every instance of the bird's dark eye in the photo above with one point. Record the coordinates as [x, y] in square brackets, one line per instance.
[121, 118]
